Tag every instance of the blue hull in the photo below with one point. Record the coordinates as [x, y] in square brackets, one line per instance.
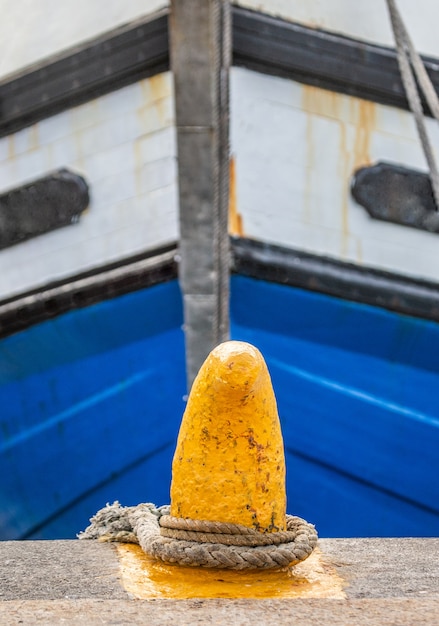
[92, 402]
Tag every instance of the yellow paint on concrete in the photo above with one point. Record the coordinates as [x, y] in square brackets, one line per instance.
[145, 578]
[229, 462]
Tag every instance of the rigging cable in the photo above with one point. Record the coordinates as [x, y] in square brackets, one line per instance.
[412, 69]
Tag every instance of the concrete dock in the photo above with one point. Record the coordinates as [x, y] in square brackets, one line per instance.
[384, 582]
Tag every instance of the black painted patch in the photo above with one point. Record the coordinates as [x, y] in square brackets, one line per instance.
[396, 194]
[46, 204]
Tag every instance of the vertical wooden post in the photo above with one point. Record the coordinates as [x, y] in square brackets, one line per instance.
[200, 60]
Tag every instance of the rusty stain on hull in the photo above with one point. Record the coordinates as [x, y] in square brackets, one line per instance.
[235, 218]
[34, 140]
[156, 92]
[365, 124]
[321, 102]
[357, 121]
[11, 147]
[160, 91]
[153, 115]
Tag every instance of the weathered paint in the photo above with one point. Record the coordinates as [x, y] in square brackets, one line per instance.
[145, 578]
[229, 462]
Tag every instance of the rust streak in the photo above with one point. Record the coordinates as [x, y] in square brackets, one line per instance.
[159, 87]
[11, 147]
[364, 125]
[154, 113]
[357, 121]
[34, 137]
[235, 218]
[322, 102]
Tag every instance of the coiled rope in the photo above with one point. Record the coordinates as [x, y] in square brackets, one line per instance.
[199, 543]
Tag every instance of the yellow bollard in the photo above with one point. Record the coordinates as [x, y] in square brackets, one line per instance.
[228, 467]
[229, 462]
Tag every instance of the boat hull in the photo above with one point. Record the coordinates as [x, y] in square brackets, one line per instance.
[92, 402]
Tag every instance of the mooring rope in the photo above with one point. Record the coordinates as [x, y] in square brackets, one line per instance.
[200, 543]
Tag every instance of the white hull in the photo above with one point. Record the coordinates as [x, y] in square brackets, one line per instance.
[294, 149]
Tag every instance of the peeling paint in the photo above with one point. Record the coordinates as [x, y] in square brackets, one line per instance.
[235, 218]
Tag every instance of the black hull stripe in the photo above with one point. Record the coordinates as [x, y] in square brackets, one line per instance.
[18, 313]
[260, 42]
[417, 298]
[120, 58]
[255, 259]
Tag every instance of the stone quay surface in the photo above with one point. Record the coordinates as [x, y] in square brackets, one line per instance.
[384, 582]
